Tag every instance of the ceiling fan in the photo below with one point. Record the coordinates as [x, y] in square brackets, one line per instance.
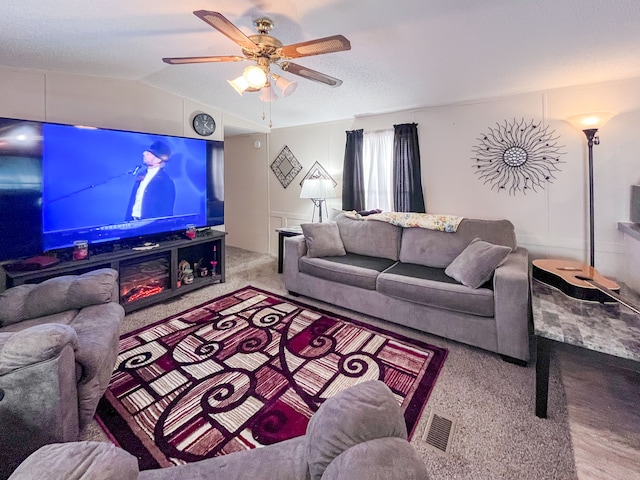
[266, 51]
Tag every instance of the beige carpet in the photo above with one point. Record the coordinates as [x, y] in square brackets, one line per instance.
[497, 434]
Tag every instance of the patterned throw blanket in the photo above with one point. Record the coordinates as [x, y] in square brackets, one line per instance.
[442, 223]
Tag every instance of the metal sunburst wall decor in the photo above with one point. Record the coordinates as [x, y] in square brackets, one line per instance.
[517, 156]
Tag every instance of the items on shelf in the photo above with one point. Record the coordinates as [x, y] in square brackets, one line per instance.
[185, 273]
[80, 249]
[148, 273]
[191, 231]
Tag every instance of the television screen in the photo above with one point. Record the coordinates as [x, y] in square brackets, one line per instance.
[103, 185]
[62, 183]
[20, 188]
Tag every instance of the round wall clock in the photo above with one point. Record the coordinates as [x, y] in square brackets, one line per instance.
[204, 124]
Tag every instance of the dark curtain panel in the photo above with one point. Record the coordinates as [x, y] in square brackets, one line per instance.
[352, 174]
[407, 182]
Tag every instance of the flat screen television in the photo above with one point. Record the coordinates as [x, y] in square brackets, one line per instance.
[80, 183]
[20, 188]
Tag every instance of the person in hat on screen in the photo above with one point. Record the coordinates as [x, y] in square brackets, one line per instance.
[154, 193]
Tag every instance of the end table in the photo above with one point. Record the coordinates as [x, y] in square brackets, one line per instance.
[608, 328]
[285, 232]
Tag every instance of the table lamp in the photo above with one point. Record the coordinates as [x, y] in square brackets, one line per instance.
[317, 189]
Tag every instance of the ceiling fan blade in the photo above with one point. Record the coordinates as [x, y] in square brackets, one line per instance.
[220, 23]
[336, 43]
[310, 74]
[183, 60]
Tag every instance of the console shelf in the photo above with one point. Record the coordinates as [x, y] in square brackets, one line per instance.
[146, 277]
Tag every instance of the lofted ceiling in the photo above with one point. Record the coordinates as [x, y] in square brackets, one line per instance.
[404, 53]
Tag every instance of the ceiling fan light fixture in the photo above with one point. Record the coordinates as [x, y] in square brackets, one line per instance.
[267, 94]
[239, 84]
[287, 87]
[255, 76]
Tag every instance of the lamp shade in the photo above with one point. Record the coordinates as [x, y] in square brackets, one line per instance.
[239, 84]
[267, 94]
[586, 121]
[287, 87]
[318, 188]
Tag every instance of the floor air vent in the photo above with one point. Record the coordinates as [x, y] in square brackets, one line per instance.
[439, 432]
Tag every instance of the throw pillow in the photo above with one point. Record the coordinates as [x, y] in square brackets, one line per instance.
[476, 264]
[323, 239]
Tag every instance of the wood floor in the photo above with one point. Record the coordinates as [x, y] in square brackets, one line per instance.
[603, 402]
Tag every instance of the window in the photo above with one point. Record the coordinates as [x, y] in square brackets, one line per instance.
[378, 169]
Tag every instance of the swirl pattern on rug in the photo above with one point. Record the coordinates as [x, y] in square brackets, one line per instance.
[249, 369]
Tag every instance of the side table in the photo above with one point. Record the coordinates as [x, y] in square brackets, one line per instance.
[282, 233]
[608, 328]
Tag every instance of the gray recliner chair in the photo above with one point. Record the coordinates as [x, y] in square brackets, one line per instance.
[58, 346]
[358, 434]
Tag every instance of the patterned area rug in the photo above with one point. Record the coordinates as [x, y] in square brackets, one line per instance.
[249, 369]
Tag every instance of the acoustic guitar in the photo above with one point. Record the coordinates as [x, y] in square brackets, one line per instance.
[576, 279]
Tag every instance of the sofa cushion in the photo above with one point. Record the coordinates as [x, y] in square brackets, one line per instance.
[476, 264]
[431, 286]
[64, 318]
[350, 269]
[323, 239]
[438, 249]
[12, 304]
[368, 237]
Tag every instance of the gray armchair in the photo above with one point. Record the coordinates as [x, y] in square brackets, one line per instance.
[58, 346]
[358, 434]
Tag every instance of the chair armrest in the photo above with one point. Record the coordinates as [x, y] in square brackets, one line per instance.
[512, 305]
[58, 294]
[80, 461]
[35, 344]
[363, 412]
[382, 458]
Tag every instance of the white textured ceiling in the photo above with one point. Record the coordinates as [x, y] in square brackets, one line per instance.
[405, 53]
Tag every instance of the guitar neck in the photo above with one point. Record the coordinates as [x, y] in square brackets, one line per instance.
[618, 298]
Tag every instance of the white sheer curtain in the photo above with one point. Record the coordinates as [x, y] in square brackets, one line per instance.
[377, 154]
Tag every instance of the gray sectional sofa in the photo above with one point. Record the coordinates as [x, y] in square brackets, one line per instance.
[404, 275]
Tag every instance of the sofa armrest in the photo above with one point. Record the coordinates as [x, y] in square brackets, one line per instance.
[512, 305]
[35, 344]
[78, 461]
[294, 249]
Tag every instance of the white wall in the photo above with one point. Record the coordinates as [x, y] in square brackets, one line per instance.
[552, 222]
[247, 192]
[322, 143]
[99, 102]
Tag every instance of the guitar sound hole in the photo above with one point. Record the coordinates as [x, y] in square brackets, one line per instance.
[570, 269]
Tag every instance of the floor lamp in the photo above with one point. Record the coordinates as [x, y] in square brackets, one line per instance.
[317, 189]
[590, 123]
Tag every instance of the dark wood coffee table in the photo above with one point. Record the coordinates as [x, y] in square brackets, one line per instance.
[608, 328]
